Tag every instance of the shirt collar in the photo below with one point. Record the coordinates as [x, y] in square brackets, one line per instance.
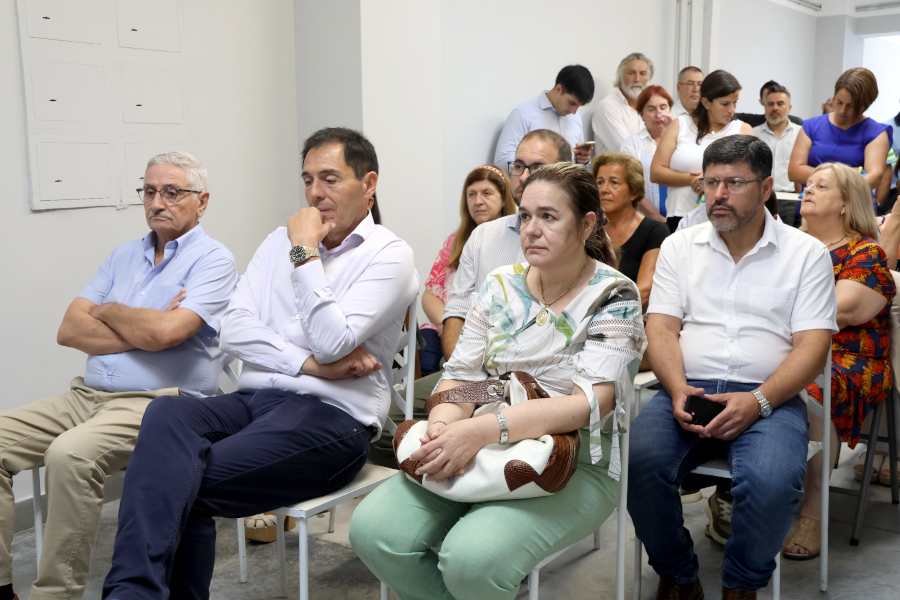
[544, 102]
[790, 125]
[513, 221]
[706, 234]
[356, 237]
[180, 243]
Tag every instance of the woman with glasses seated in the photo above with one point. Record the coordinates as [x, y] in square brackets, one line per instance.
[679, 155]
[486, 195]
[837, 207]
[574, 323]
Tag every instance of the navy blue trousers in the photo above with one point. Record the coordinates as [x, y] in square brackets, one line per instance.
[231, 456]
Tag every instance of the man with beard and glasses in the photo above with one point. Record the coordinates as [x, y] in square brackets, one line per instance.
[780, 133]
[616, 117]
[149, 323]
[555, 110]
[741, 314]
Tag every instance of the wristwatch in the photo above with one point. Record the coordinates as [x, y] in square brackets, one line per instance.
[300, 254]
[504, 431]
[765, 409]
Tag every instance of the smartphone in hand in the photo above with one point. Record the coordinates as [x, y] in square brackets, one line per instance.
[702, 411]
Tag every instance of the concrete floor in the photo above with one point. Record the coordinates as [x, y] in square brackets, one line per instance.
[870, 571]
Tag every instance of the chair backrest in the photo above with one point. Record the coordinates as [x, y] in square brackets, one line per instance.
[895, 328]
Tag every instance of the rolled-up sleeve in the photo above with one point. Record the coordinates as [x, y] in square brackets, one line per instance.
[611, 354]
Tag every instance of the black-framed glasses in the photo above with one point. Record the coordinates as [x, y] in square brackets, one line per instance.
[732, 184]
[518, 167]
[168, 194]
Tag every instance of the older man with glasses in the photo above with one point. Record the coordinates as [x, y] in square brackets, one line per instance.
[149, 324]
[689, 81]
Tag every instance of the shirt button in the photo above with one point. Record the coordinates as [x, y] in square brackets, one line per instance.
[287, 366]
[731, 341]
[106, 375]
[731, 372]
[142, 293]
[730, 289]
[295, 284]
[297, 317]
[731, 318]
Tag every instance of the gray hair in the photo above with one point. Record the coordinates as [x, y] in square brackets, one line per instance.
[628, 59]
[194, 171]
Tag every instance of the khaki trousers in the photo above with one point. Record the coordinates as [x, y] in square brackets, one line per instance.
[81, 437]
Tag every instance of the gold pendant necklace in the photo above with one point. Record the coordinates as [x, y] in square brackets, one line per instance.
[544, 316]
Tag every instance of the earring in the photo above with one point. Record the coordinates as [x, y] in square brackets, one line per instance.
[842, 211]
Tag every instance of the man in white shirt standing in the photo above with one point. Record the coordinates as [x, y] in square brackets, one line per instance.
[741, 313]
[779, 133]
[616, 117]
[556, 110]
[315, 318]
[689, 81]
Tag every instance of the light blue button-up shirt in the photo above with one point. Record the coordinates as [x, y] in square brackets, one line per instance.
[536, 113]
[195, 262]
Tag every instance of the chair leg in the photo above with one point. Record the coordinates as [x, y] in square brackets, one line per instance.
[38, 513]
[637, 568]
[864, 488]
[597, 540]
[332, 514]
[837, 457]
[282, 558]
[533, 583]
[892, 446]
[304, 559]
[242, 549]
[776, 578]
[385, 593]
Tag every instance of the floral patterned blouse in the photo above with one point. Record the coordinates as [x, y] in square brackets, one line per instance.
[440, 280]
[599, 337]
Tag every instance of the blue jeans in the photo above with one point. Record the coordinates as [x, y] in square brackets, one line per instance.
[768, 463]
[232, 456]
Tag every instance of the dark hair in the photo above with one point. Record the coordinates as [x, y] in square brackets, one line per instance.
[500, 180]
[376, 212]
[717, 84]
[862, 86]
[766, 86]
[740, 148]
[580, 188]
[649, 92]
[688, 70]
[359, 153]
[778, 89]
[576, 80]
[772, 203]
[564, 151]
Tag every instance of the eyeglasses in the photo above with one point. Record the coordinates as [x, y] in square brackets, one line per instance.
[168, 194]
[692, 84]
[732, 184]
[517, 168]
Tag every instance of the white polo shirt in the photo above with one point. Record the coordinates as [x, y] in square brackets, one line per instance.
[738, 320]
[781, 151]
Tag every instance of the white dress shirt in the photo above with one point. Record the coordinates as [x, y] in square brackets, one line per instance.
[738, 320]
[642, 147]
[613, 121]
[678, 109]
[781, 152]
[536, 113]
[491, 245]
[356, 294]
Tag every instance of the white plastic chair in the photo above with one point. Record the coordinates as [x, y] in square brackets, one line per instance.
[719, 468]
[370, 477]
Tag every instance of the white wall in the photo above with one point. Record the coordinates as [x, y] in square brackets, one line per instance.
[242, 125]
[759, 41]
[881, 56]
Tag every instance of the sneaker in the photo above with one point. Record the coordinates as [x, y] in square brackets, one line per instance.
[690, 496]
[718, 510]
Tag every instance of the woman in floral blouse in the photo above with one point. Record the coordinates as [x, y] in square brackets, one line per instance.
[574, 323]
[486, 196]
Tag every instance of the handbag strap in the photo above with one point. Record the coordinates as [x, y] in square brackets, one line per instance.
[483, 392]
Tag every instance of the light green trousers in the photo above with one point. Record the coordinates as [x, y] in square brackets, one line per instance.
[487, 548]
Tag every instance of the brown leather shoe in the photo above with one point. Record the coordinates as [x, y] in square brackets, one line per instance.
[737, 594]
[670, 590]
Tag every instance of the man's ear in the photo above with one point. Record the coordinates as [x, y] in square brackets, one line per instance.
[204, 201]
[369, 182]
[558, 88]
[767, 184]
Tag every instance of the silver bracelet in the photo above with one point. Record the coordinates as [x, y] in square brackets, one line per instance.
[504, 430]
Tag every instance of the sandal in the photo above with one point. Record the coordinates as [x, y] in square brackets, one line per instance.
[876, 467]
[884, 476]
[261, 527]
[806, 536]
